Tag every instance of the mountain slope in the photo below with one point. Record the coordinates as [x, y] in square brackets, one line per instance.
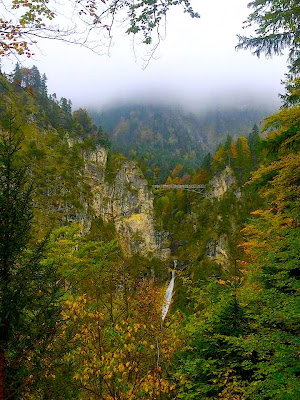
[162, 137]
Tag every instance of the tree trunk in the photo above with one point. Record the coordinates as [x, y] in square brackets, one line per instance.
[2, 375]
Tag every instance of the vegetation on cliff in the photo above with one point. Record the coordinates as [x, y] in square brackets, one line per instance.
[160, 137]
[79, 320]
[233, 335]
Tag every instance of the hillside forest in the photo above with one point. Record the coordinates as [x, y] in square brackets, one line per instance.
[90, 250]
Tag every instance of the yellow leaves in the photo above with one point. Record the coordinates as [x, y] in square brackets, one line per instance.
[76, 376]
[121, 368]
[120, 355]
[176, 171]
[283, 120]
[257, 212]
[233, 150]
[244, 145]
[219, 155]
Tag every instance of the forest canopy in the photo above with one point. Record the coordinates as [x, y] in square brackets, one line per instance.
[80, 320]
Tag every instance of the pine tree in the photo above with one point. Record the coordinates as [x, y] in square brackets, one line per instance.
[28, 289]
[35, 80]
[254, 140]
[43, 87]
[278, 28]
[17, 77]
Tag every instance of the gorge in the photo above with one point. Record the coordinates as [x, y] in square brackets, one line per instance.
[90, 236]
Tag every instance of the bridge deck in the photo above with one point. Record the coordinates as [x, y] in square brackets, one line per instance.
[192, 188]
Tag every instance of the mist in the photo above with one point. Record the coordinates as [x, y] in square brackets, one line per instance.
[195, 67]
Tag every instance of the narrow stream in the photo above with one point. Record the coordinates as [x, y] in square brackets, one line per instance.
[169, 294]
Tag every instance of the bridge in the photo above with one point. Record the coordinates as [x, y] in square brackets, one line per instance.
[192, 188]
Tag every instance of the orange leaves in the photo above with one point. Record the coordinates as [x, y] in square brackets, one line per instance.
[12, 39]
[128, 356]
[233, 150]
[111, 332]
[236, 280]
[199, 177]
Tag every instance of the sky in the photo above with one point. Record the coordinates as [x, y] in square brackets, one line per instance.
[196, 66]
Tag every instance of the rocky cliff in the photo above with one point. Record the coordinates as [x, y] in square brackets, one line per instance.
[125, 199]
[220, 184]
[218, 249]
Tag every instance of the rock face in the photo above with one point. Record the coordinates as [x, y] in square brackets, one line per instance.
[127, 201]
[217, 250]
[220, 184]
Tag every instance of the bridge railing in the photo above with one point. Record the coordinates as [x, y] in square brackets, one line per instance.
[194, 188]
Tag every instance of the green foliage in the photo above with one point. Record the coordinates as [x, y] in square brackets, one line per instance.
[84, 126]
[29, 288]
[160, 138]
[292, 96]
[110, 326]
[239, 337]
[55, 145]
[114, 162]
[144, 17]
[242, 340]
[278, 29]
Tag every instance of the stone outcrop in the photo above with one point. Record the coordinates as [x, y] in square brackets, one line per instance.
[219, 185]
[127, 201]
[217, 250]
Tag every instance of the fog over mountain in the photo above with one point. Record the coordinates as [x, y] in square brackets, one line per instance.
[198, 103]
[196, 66]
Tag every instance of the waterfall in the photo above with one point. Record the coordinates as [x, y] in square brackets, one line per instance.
[169, 294]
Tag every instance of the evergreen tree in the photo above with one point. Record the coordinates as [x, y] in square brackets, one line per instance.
[16, 72]
[103, 138]
[227, 150]
[254, 141]
[43, 87]
[243, 161]
[84, 125]
[17, 77]
[66, 105]
[35, 80]
[292, 96]
[278, 28]
[28, 289]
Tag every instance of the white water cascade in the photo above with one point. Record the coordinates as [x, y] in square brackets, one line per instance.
[169, 294]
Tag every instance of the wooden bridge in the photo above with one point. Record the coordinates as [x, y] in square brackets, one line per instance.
[192, 188]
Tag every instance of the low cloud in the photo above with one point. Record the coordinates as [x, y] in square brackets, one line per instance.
[197, 66]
